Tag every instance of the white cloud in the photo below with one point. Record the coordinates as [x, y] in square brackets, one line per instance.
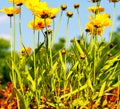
[5, 36]
[4, 19]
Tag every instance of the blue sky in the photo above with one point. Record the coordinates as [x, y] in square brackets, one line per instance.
[73, 23]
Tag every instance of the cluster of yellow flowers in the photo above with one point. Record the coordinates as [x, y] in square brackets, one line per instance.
[98, 21]
[39, 9]
[43, 14]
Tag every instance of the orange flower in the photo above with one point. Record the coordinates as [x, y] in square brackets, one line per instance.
[96, 9]
[94, 30]
[25, 51]
[10, 11]
[39, 23]
[17, 2]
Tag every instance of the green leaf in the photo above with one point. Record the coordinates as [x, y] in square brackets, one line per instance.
[79, 47]
[102, 89]
[73, 92]
[21, 97]
[89, 83]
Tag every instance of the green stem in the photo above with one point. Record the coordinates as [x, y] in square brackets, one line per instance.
[67, 33]
[113, 20]
[57, 28]
[46, 36]
[20, 29]
[11, 36]
[79, 22]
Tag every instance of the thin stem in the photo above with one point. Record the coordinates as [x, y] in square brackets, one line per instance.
[113, 20]
[34, 45]
[20, 28]
[11, 36]
[57, 28]
[38, 38]
[67, 33]
[79, 22]
[46, 36]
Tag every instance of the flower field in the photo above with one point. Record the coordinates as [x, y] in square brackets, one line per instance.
[82, 75]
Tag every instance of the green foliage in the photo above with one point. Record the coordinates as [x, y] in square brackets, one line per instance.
[4, 55]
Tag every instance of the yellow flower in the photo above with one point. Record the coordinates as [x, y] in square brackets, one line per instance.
[53, 12]
[11, 11]
[39, 23]
[38, 8]
[41, 9]
[96, 9]
[25, 51]
[93, 29]
[101, 20]
[17, 2]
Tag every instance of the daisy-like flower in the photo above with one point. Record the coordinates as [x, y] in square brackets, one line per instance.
[10, 11]
[94, 30]
[101, 20]
[38, 8]
[25, 51]
[39, 23]
[41, 9]
[53, 12]
[32, 4]
[18, 2]
[97, 24]
[95, 9]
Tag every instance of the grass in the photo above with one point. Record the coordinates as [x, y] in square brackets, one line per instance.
[86, 76]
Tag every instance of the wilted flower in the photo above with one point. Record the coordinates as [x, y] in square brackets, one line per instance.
[10, 11]
[95, 9]
[18, 2]
[25, 51]
[39, 23]
[63, 7]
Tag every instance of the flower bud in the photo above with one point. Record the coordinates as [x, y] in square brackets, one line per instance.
[95, 1]
[69, 14]
[76, 5]
[82, 56]
[63, 7]
[63, 51]
[111, 45]
[48, 31]
[109, 54]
